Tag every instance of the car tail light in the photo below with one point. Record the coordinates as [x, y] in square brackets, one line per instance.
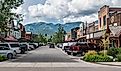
[71, 47]
[77, 48]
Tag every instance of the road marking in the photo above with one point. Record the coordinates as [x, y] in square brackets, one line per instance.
[53, 64]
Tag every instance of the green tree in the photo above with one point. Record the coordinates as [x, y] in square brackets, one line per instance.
[43, 38]
[5, 12]
[58, 37]
[40, 38]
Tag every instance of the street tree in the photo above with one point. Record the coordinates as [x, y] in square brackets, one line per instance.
[40, 38]
[5, 12]
[58, 37]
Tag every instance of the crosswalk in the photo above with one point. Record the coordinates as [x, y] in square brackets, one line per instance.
[52, 64]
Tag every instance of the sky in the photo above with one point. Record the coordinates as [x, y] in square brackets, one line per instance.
[62, 11]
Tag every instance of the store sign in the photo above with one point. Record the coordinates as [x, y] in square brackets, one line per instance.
[87, 37]
[91, 35]
[115, 24]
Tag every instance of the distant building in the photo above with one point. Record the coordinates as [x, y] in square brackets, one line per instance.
[17, 32]
[78, 34]
[22, 29]
[92, 28]
[10, 28]
[74, 33]
[28, 36]
[68, 36]
[82, 36]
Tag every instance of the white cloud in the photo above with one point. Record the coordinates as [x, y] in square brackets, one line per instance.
[51, 9]
[69, 10]
[90, 18]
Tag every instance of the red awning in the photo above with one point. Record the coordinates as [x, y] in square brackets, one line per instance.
[10, 38]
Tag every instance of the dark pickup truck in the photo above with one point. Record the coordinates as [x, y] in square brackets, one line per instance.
[82, 48]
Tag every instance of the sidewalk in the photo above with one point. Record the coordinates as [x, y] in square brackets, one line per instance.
[96, 64]
[99, 63]
[110, 63]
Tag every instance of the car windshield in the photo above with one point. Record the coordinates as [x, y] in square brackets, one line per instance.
[14, 45]
[4, 45]
[1, 48]
[23, 45]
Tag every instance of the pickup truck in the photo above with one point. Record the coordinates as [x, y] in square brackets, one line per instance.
[82, 48]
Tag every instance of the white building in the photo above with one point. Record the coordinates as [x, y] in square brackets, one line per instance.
[17, 33]
[14, 30]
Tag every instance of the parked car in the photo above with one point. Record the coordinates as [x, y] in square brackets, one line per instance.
[51, 46]
[7, 52]
[23, 48]
[27, 45]
[66, 46]
[82, 48]
[36, 45]
[13, 46]
[40, 44]
[32, 46]
[59, 45]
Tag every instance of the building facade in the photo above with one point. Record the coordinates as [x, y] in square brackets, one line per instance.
[22, 30]
[104, 15]
[28, 36]
[110, 20]
[74, 33]
[68, 36]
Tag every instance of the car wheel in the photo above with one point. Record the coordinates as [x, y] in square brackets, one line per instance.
[74, 54]
[69, 53]
[10, 56]
[22, 51]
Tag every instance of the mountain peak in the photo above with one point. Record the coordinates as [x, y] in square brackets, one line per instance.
[49, 28]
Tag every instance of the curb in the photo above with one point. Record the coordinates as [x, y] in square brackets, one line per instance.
[100, 63]
[108, 64]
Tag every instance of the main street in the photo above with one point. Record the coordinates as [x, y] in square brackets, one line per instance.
[51, 59]
[45, 54]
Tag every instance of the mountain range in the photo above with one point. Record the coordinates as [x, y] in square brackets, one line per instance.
[49, 28]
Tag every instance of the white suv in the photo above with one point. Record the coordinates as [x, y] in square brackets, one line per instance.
[13, 46]
[6, 51]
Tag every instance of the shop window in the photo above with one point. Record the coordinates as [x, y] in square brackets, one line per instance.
[104, 20]
[100, 22]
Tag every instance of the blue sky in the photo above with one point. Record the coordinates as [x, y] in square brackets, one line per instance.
[62, 11]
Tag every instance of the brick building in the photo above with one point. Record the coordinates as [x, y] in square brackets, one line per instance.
[104, 14]
[28, 36]
[74, 33]
[23, 32]
[110, 20]
[68, 36]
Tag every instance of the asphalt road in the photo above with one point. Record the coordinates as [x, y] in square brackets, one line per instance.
[61, 69]
[45, 54]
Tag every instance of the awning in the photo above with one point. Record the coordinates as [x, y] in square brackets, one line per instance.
[10, 38]
[98, 35]
[82, 37]
[115, 30]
